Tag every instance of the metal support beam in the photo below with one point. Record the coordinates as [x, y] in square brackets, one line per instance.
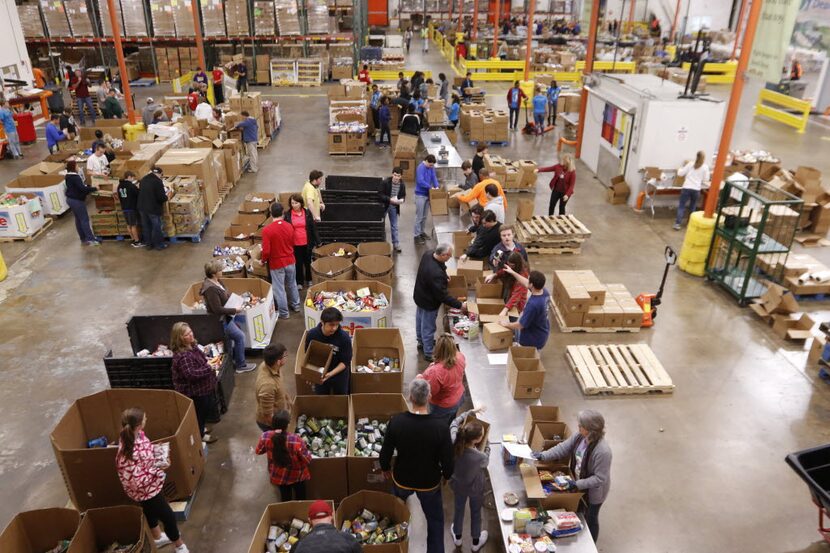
[674, 22]
[496, 30]
[738, 28]
[122, 65]
[475, 21]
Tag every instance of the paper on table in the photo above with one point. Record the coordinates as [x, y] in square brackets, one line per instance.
[235, 301]
[497, 358]
[518, 450]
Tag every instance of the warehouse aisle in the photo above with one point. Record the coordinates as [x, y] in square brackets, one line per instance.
[701, 469]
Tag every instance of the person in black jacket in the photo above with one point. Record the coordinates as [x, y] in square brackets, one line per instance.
[424, 456]
[76, 193]
[411, 123]
[216, 297]
[151, 198]
[128, 196]
[305, 238]
[487, 236]
[324, 537]
[329, 331]
[478, 159]
[430, 293]
[393, 194]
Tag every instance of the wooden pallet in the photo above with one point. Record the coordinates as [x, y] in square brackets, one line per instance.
[262, 144]
[553, 228]
[552, 250]
[216, 207]
[46, 225]
[618, 369]
[560, 320]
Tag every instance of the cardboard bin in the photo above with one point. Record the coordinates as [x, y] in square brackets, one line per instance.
[124, 524]
[380, 503]
[51, 189]
[317, 356]
[364, 472]
[279, 513]
[544, 435]
[329, 476]
[20, 221]
[439, 201]
[381, 318]
[257, 323]
[460, 240]
[90, 475]
[525, 373]
[374, 343]
[457, 286]
[533, 487]
[539, 413]
[40, 530]
[496, 337]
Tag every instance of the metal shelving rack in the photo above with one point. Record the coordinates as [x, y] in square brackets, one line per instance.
[754, 219]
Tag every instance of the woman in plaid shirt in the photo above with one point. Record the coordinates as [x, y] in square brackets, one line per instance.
[288, 458]
[192, 375]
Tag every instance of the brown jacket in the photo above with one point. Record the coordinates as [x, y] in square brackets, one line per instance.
[270, 394]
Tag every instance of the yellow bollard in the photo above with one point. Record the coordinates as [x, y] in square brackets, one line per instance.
[696, 243]
[131, 132]
[3, 271]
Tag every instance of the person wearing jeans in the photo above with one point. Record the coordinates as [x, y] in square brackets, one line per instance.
[192, 375]
[561, 184]
[76, 193]
[393, 195]
[430, 293]
[305, 238]
[515, 96]
[250, 137]
[278, 252]
[80, 85]
[151, 198]
[10, 128]
[695, 174]
[425, 179]
[468, 477]
[424, 456]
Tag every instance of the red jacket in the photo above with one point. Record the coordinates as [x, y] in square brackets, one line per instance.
[278, 244]
[363, 76]
[562, 181]
[522, 96]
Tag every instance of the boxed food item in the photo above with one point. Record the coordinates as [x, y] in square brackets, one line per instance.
[542, 490]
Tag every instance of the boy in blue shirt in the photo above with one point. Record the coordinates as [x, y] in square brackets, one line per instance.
[540, 104]
[10, 128]
[374, 103]
[53, 133]
[533, 324]
[553, 100]
[455, 110]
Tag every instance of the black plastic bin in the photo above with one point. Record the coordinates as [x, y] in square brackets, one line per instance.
[353, 223]
[347, 182]
[350, 196]
[147, 332]
[813, 466]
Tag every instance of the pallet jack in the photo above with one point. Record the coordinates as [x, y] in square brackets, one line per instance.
[649, 302]
[530, 126]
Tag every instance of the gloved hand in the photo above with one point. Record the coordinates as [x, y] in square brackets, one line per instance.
[572, 485]
[537, 455]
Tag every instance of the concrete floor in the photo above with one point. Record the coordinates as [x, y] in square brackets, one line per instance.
[699, 470]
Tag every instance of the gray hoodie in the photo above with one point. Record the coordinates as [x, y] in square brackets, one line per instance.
[468, 475]
[596, 478]
[496, 205]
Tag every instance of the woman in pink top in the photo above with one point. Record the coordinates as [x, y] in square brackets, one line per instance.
[141, 472]
[446, 378]
[305, 238]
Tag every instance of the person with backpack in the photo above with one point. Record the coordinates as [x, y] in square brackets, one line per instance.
[288, 458]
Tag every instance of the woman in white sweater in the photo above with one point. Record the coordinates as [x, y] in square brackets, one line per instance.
[696, 173]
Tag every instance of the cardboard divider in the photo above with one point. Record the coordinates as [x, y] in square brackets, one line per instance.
[329, 476]
[282, 514]
[375, 343]
[89, 474]
[381, 504]
[100, 528]
[539, 413]
[364, 472]
[352, 320]
[317, 356]
[525, 372]
[39, 530]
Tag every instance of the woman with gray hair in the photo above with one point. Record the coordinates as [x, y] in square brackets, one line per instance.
[589, 458]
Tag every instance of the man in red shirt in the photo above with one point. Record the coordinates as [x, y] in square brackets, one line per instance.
[80, 85]
[278, 252]
[363, 75]
[218, 90]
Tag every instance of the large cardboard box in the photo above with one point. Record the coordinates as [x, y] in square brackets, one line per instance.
[618, 191]
[316, 360]
[40, 530]
[439, 201]
[257, 323]
[352, 320]
[301, 385]
[100, 528]
[89, 474]
[525, 373]
[546, 435]
[488, 309]
[496, 337]
[457, 286]
[364, 472]
[471, 269]
[533, 487]
[489, 290]
[50, 188]
[329, 476]
[377, 343]
[37, 173]
[382, 504]
[199, 162]
[539, 413]
[20, 221]
[406, 146]
[460, 240]
[282, 514]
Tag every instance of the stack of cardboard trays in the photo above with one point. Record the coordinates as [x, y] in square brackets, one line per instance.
[580, 300]
[188, 212]
[488, 126]
[513, 175]
[404, 155]
[779, 308]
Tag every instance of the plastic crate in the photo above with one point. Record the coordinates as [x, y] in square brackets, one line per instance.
[813, 466]
[347, 182]
[148, 331]
[350, 196]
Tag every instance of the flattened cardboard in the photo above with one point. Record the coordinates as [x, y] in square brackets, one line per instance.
[317, 356]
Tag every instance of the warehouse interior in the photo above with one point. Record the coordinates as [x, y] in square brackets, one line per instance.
[700, 466]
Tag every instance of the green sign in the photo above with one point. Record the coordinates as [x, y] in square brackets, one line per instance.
[772, 38]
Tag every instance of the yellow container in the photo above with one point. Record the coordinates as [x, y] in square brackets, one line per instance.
[529, 88]
[695, 250]
[3, 271]
[131, 132]
[694, 269]
[695, 254]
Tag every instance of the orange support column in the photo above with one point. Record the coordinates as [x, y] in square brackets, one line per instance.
[631, 15]
[530, 28]
[475, 21]
[460, 15]
[197, 27]
[496, 30]
[122, 66]
[738, 29]
[674, 22]
[589, 66]
[732, 108]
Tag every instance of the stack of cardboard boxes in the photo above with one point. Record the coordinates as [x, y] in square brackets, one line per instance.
[252, 103]
[348, 129]
[263, 69]
[580, 300]
[487, 125]
[188, 212]
[236, 19]
[404, 155]
[173, 62]
[519, 174]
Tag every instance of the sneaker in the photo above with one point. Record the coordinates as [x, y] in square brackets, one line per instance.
[296, 309]
[284, 318]
[163, 247]
[424, 236]
[163, 540]
[428, 358]
[209, 438]
[93, 243]
[456, 538]
[482, 539]
[246, 369]
[676, 226]
[137, 244]
[420, 346]
[299, 287]
[182, 549]
[397, 248]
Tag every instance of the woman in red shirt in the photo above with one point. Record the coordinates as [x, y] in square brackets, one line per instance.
[446, 378]
[141, 471]
[288, 458]
[305, 238]
[562, 183]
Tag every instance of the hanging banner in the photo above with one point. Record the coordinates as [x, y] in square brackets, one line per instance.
[772, 38]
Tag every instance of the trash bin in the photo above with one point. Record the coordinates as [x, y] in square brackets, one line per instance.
[3, 271]
[25, 127]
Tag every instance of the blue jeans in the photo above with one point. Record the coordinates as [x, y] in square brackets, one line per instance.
[14, 143]
[151, 230]
[476, 503]
[421, 210]
[282, 280]
[425, 328]
[78, 208]
[234, 332]
[592, 519]
[539, 119]
[514, 117]
[687, 196]
[448, 413]
[392, 210]
[433, 506]
[88, 103]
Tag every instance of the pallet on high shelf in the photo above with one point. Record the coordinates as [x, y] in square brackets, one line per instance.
[618, 369]
[560, 321]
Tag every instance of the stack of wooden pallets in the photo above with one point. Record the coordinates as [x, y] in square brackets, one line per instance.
[552, 234]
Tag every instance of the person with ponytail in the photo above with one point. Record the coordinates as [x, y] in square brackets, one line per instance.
[142, 476]
[288, 458]
[467, 481]
[696, 175]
